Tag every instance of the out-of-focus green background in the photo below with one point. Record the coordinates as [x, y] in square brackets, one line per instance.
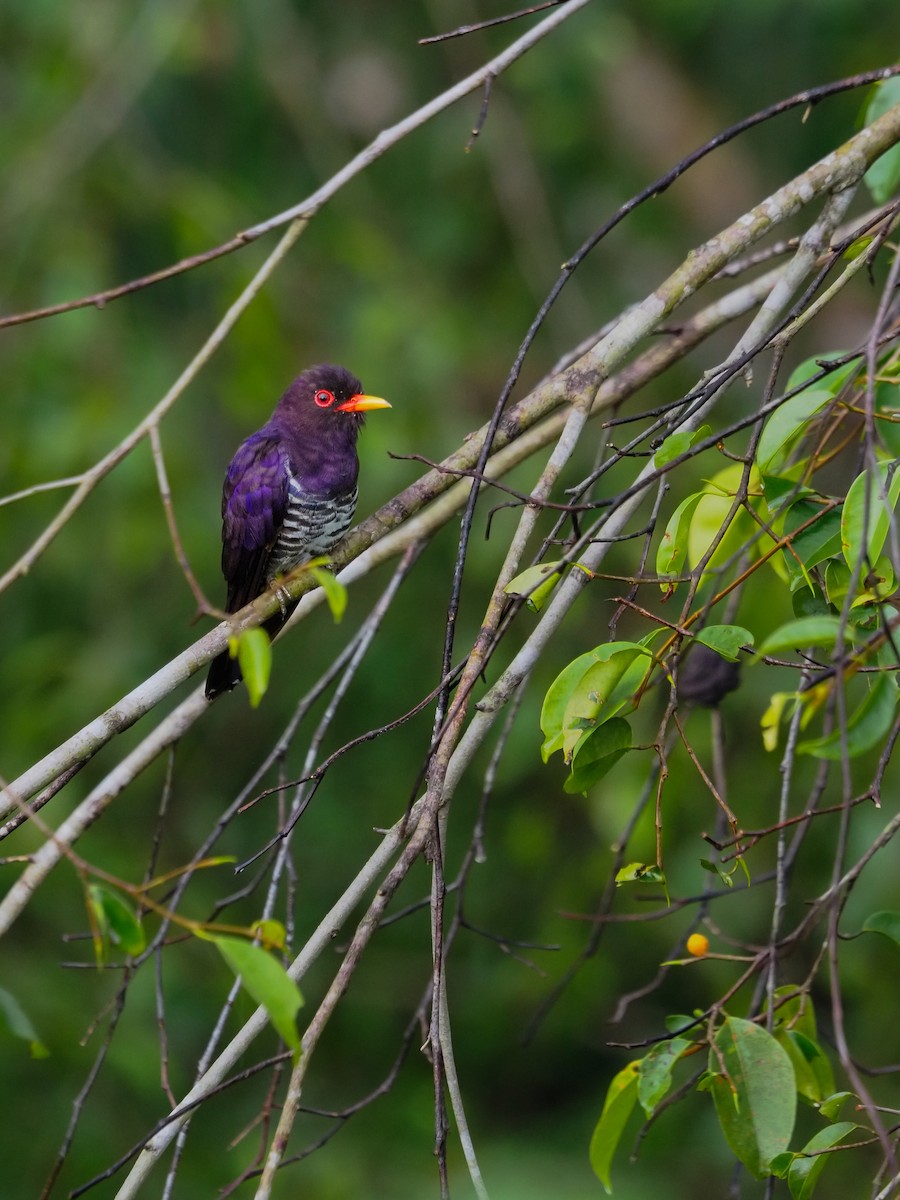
[135, 135]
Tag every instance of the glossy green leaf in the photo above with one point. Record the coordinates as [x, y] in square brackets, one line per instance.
[679, 443]
[672, 552]
[787, 423]
[886, 923]
[335, 592]
[17, 1021]
[617, 1108]
[267, 982]
[597, 752]
[865, 509]
[656, 1071]
[865, 727]
[884, 174]
[756, 1099]
[726, 640]
[804, 632]
[808, 1165]
[117, 919]
[254, 655]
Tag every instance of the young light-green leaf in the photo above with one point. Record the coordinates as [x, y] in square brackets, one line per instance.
[672, 551]
[254, 655]
[620, 1101]
[870, 503]
[335, 592]
[536, 584]
[267, 982]
[756, 1099]
[117, 919]
[786, 424]
[679, 443]
[19, 1024]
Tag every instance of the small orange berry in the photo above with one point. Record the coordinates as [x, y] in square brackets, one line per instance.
[698, 945]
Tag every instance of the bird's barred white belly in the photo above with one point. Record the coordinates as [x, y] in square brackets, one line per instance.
[312, 525]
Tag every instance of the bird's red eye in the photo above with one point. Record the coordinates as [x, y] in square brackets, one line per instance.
[323, 398]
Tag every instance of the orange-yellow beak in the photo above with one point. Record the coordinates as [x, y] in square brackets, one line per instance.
[361, 403]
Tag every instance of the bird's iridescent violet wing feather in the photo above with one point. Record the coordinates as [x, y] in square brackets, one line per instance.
[254, 502]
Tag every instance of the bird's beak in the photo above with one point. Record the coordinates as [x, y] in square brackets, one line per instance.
[361, 403]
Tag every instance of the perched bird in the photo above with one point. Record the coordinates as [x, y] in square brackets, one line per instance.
[290, 492]
[706, 677]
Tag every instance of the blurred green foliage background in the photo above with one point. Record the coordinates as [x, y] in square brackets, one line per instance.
[133, 136]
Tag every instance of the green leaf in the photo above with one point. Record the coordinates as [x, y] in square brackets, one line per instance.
[617, 1108]
[117, 919]
[865, 497]
[756, 1099]
[597, 752]
[811, 367]
[884, 174]
[725, 640]
[643, 873]
[804, 1172]
[679, 443]
[335, 594]
[678, 1023]
[254, 655]
[595, 697]
[19, 1024]
[817, 542]
[832, 1106]
[886, 923]
[887, 424]
[711, 517]
[809, 602]
[267, 982]
[787, 423]
[795, 1030]
[672, 552]
[770, 721]
[865, 727]
[805, 631]
[556, 699]
[536, 584]
[656, 1071]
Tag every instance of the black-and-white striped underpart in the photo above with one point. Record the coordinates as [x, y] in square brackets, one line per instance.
[312, 525]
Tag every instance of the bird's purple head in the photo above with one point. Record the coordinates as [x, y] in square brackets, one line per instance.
[325, 398]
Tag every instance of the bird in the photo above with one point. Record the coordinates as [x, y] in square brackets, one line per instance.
[290, 493]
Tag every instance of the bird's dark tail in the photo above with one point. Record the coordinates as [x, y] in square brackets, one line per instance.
[224, 674]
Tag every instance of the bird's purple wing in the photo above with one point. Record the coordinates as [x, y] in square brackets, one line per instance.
[254, 502]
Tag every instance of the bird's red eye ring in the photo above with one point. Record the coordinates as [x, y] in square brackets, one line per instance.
[324, 398]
